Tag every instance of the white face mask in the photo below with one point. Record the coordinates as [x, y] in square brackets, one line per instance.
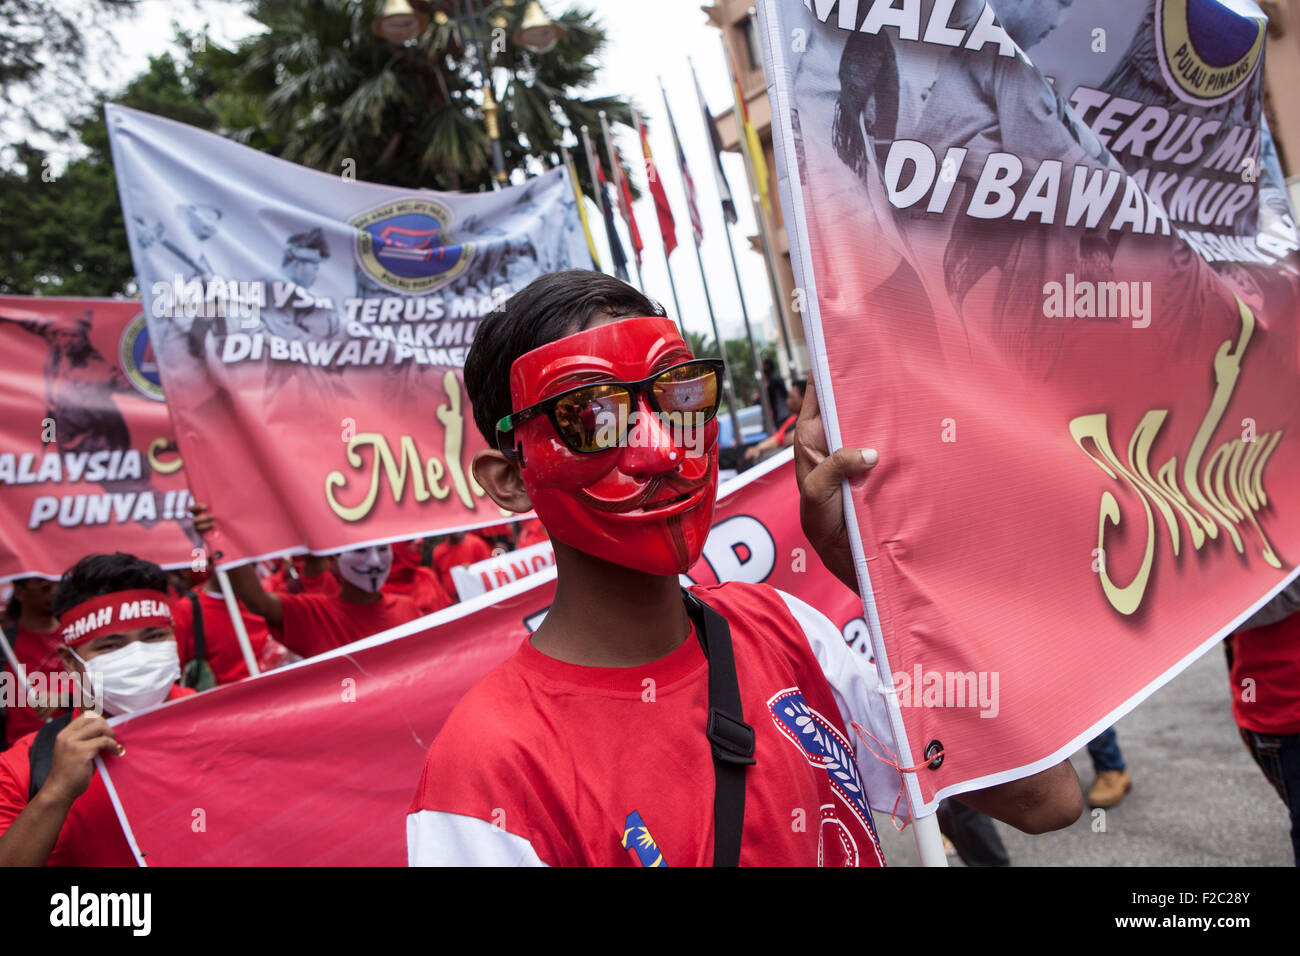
[367, 568]
[134, 677]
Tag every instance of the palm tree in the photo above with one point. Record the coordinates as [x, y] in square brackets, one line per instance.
[329, 94]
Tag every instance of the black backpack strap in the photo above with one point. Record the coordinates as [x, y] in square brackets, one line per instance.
[200, 641]
[41, 757]
[731, 738]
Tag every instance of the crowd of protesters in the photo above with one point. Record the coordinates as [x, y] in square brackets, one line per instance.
[53, 807]
[55, 810]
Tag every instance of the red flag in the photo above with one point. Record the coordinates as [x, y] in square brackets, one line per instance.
[667, 225]
[625, 207]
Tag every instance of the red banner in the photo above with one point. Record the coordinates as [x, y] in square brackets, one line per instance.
[87, 458]
[1061, 305]
[316, 764]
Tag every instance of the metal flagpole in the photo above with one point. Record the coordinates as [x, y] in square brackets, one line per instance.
[769, 416]
[728, 384]
[722, 353]
[237, 620]
[579, 200]
[616, 168]
[777, 301]
[663, 244]
[602, 200]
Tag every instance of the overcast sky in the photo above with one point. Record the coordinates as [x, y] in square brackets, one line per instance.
[647, 41]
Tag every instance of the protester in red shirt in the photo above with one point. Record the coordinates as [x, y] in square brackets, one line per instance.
[311, 624]
[598, 742]
[411, 579]
[784, 436]
[458, 550]
[34, 639]
[1264, 662]
[222, 650]
[531, 532]
[309, 574]
[112, 610]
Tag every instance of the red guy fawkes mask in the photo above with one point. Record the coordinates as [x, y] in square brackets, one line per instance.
[647, 503]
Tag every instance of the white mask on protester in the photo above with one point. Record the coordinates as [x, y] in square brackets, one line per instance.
[134, 677]
[367, 568]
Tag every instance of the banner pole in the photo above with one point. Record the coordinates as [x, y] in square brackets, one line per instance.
[929, 841]
[237, 620]
[19, 671]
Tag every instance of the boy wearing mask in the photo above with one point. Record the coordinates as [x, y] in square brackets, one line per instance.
[641, 724]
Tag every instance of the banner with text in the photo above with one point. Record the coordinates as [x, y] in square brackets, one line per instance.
[87, 458]
[316, 764]
[311, 328]
[1048, 269]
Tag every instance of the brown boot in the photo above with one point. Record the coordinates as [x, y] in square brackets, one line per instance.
[1109, 788]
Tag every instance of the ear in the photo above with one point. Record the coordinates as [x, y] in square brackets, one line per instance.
[501, 479]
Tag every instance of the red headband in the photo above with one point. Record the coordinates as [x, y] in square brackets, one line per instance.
[114, 613]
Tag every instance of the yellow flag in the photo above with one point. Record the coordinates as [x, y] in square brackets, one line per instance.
[757, 160]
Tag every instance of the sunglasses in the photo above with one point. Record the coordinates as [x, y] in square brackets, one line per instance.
[593, 418]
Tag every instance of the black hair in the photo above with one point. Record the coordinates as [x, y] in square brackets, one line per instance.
[548, 308]
[14, 609]
[97, 574]
[801, 384]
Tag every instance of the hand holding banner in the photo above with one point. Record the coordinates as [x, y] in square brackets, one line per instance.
[1064, 315]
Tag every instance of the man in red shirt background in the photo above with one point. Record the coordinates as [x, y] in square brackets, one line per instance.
[33, 638]
[313, 623]
[415, 580]
[1264, 663]
[221, 646]
[458, 550]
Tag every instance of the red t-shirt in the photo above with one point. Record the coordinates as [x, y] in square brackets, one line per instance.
[419, 584]
[531, 532]
[92, 834]
[550, 763]
[38, 653]
[223, 651]
[1269, 656]
[316, 623]
[446, 556]
[785, 427]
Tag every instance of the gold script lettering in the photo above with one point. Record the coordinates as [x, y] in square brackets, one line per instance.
[425, 477]
[1226, 492]
[162, 467]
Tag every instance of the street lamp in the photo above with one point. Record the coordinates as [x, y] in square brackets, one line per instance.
[538, 32]
[398, 22]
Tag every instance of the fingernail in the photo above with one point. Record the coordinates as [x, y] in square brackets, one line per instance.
[869, 456]
[121, 751]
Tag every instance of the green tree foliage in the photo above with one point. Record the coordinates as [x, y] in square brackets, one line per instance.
[66, 235]
[410, 115]
[44, 48]
[317, 88]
